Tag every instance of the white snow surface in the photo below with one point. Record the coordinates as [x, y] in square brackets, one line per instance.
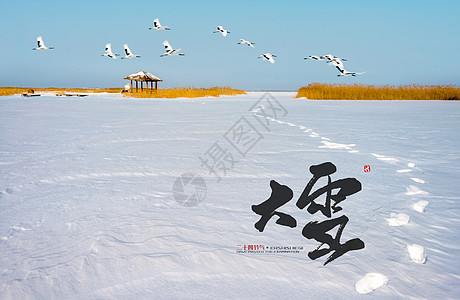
[87, 209]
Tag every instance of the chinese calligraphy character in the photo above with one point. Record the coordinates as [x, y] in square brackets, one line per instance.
[348, 186]
[280, 195]
[317, 231]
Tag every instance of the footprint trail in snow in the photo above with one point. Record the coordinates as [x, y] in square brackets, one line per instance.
[372, 281]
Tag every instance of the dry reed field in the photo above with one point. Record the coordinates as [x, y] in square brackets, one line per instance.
[322, 91]
[8, 91]
[188, 92]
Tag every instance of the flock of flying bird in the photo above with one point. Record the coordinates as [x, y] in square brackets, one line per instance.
[336, 62]
[170, 51]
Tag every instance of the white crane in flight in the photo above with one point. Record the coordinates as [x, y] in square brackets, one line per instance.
[128, 52]
[314, 57]
[268, 56]
[157, 25]
[170, 51]
[222, 30]
[41, 44]
[244, 42]
[108, 51]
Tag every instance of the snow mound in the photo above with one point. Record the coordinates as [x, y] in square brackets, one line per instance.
[385, 158]
[420, 206]
[331, 145]
[370, 282]
[398, 219]
[418, 180]
[404, 171]
[417, 253]
[413, 190]
[411, 165]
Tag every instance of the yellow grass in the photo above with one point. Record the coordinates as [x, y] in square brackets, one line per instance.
[160, 93]
[322, 91]
[188, 92]
[7, 91]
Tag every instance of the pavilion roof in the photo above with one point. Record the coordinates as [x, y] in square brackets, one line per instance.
[143, 76]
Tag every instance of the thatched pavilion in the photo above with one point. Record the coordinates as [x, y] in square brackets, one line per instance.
[143, 76]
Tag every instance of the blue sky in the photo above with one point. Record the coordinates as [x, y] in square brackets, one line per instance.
[394, 42]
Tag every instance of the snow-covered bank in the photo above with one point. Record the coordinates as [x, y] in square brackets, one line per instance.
[87, 207]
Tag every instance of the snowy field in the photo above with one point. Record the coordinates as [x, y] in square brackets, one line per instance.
[91, 205]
